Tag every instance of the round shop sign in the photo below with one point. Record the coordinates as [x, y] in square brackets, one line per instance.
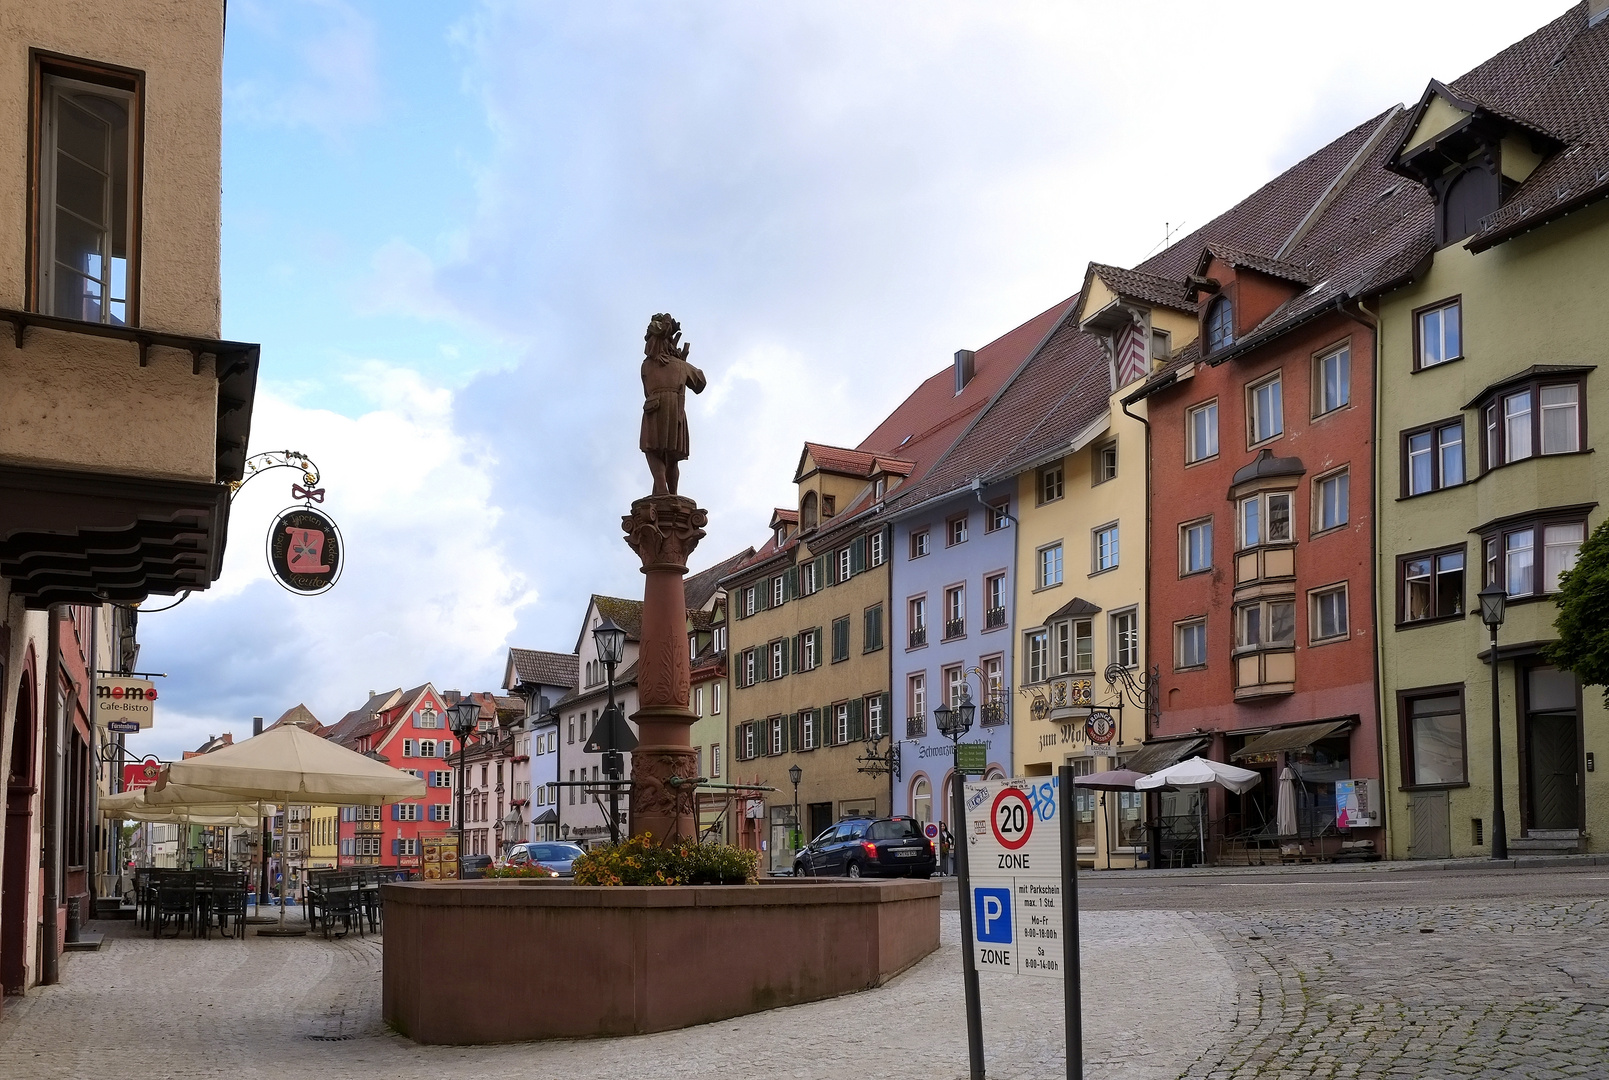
[1011, 818]
[1100, 727]
[305, 550]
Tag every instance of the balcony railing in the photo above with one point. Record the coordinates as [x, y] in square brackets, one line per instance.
[915, 727]
[954, 628]
[994, 618]
[918, 636]
[993, 714]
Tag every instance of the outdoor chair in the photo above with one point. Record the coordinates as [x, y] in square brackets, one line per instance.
[175, 903]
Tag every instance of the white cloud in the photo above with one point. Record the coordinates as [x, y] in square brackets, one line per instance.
[333, 83]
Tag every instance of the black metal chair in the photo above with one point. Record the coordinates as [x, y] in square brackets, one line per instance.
[175, 903]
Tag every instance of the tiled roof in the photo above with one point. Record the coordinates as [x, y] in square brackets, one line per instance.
[1149, 288]
[302, 717]
[538, 666]
[702, 586]
[836, 459]
[628, 677]
[1277, 268]
[627, 614]
[347, 729]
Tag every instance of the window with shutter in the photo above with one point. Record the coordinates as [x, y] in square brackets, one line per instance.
[797, 648]
[824, 574]
[796, 732]
[408, 748]
[856, 725]
[858, 556]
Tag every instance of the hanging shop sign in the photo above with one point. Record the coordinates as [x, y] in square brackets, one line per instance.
[1100, 727]
[141, 774]
[120, 703]
[305, 550]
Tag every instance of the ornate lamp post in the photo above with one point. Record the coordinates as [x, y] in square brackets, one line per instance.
[611, 643]
[1494, 604]
[954, 721]
[795, 774]
[463, 718]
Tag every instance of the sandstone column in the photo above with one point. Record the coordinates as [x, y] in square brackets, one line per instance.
[663, 530]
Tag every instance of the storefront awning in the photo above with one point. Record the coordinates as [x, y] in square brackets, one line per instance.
[1156, 756]
[1291, 738]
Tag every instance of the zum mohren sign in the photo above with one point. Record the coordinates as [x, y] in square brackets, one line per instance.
[305, 550]
[125, 704]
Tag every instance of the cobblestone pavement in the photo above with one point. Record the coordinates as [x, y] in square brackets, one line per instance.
[1369, 977]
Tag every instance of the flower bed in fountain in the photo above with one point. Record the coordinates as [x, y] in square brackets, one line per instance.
[528, 958]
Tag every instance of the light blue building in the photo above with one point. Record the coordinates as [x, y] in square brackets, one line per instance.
[952, 580]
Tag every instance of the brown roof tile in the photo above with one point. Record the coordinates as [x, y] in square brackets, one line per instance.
[1149, 288]
[540, 667]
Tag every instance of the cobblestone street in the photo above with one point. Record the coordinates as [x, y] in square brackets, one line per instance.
[1355, 975]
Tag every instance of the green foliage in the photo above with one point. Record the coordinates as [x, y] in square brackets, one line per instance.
[1583, 620]
[637, 860]
[532, 871]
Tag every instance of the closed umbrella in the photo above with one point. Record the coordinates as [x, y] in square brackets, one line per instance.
[1197, 773]
[1285, 818]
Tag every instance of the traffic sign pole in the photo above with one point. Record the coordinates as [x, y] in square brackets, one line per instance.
[1072, 975]
[969, 958]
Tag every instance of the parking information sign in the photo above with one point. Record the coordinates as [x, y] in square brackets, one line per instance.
[1013, 838]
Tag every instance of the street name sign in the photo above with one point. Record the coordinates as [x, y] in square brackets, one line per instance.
[1013, 837]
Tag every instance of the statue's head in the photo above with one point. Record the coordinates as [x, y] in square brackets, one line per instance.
[662, 336]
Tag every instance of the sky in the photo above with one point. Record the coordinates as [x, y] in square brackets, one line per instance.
[448, 224]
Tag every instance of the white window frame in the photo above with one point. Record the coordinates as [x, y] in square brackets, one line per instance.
[921, 543]
[1036, 656]
[1105, 548]
[1180, 630]
[1195, 536]
[1208, 412]
[1255, 435]
[1263, 501]
[1049, 557]
[874, 548]
[1124, 627]
[1340, 359]
[1332, 488]
[1052, 483]
[1423, 336]
[1315, 599]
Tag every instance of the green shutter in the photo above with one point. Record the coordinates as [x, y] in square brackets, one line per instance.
[785, 667]
[798, 649]
[857, 556]
[856, 731]
[762, 665]
[826, 573]
[796, 732]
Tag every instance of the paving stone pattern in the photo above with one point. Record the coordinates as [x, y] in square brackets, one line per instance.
[1517, 989]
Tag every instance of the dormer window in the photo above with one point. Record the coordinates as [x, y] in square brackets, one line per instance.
[1220, 324]
[880, 488]
[807, 511]
[782, 535]
[829, 505]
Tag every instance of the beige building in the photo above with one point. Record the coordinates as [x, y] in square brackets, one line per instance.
[123, 418]
[810, 669]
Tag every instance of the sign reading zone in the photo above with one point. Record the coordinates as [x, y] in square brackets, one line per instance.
[1013, 837]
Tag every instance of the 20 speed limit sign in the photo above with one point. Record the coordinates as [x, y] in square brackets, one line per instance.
[1013, 837]
[1011, 817]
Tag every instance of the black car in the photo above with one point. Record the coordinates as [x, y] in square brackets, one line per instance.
[474, 866]
[862, 847]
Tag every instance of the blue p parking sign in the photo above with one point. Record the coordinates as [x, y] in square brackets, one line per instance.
[992, 915]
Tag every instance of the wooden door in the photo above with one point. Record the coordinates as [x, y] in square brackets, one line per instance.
[1555, 801]
[1432, 835]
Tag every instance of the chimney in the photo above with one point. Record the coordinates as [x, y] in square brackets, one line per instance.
[965, 362]
[1596, 10]
[256, 725]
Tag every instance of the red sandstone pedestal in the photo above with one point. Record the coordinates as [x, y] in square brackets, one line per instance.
[663, 530]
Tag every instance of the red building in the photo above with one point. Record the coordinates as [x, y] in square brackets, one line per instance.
[409, 730]
[1260, 583]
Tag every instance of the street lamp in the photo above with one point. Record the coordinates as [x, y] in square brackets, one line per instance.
[611, 643]
[1494, 604]
[954, 721]
[464, 717]
[795, 774]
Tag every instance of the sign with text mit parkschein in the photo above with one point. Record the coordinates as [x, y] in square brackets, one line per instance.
[125, 701]
[1013, 837]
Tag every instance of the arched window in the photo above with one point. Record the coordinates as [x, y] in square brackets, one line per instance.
[807, 511]
[1220, 324]
[921, 800]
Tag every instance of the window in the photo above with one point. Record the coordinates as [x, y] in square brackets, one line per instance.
[1330, 496]
[879, 488]
[809, 650]
[997, 516]
[845, 565]
[407, 811]
[1201, 434]
[776, 592]
[955, 612]
[875, 724]
[919, 543]
[955, 530]
[779, 736]
[410, 748]
[749, 672]
[918, 621]
[747, 744]
[874, 629]
[442, 778]
[715, 760]
[1267, 623]
[1105, 463]
[841, 723]
[428, 718]
[1195, 547]
[1083, 646]
[1161, 344]
[718, 639]
[1190, 643]
[1332, 380]
[715, 699]
[750, 600]
[1126, 638]
[1326, 614]
[809, 582]
[1537, 417]
[698, 701]
[1433, 750]
[1438, 335]
[916, 702]
[1265, 412]
[1433, 458]
[994, 611]
[779, 659]
[875, 548]
[840, 639]
[89, 198]
[1265, 518]
[1431, 586]
[1220, 324]
[1050, 483]
[1104, 552]
[1036, 657]
[427, 748]
[1050, 566]
[1522, 573]
[1561, 546]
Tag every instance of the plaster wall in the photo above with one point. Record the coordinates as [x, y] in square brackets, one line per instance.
[25, 635]
[928, 757]
[1537, 299]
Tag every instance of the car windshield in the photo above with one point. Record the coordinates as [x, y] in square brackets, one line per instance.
[898, 829]
[554, 852]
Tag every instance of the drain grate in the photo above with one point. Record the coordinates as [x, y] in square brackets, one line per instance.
[329, 1038]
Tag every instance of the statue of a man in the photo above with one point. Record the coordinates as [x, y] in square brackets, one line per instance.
[666, 375]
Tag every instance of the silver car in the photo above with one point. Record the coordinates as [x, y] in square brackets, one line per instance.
[552, 854]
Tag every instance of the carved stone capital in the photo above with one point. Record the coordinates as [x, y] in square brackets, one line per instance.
[663, 530]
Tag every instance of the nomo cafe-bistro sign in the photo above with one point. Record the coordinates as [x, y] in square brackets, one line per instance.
[126, 705]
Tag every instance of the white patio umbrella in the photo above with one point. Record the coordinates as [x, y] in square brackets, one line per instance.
[1285, 817]
[1197, 773]
[287, 766]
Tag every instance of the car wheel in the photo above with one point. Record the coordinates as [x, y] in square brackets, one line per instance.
[852, 870]
[798, 869]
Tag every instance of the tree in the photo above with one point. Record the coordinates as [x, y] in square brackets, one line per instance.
[1583, 621]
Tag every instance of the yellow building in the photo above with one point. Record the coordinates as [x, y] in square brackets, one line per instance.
[710, 735]
[323, 843]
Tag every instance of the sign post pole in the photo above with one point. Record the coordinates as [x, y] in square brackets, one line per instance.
[969, 958]
[1072, 976]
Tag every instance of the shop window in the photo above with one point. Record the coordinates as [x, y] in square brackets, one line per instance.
[1432, 736]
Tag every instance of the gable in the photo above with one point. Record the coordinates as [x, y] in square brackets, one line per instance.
[1439, 114]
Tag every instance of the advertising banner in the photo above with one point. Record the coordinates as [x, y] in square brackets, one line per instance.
[125, 701]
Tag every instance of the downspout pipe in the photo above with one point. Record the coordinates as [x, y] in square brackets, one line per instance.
[50, 953]
[1153, 807]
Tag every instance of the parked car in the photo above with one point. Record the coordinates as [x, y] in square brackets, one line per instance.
[869, 847]
[553, 854]
[474, 866]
